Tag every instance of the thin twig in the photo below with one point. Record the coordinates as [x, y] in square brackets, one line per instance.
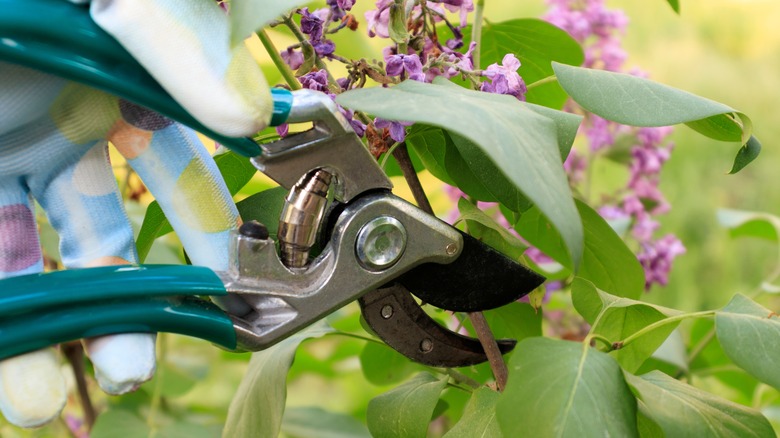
[282, 66]
[490, 346]
[74, 353]
[484, 334]
[405, 163]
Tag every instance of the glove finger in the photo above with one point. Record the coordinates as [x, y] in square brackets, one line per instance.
[32, 388]
[185, 44]
[122, 362]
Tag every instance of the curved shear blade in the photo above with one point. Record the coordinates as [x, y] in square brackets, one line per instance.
[480, 279]
[401, 323]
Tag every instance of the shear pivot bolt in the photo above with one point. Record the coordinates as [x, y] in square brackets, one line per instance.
[451, 249]
[380, 243]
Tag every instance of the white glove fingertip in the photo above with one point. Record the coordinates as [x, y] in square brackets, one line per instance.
[122, 362]
[32, 388]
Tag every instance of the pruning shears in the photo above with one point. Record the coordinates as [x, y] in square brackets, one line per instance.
[376, 248]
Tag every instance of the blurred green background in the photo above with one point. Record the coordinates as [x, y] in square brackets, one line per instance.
[726, 50]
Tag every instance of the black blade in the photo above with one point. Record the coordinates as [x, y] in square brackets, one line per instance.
[399, 321]
[480, 279]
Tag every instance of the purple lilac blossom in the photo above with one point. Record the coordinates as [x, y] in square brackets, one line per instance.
[377, 21]
[410, 64]
[657, 257]
[292, 58]
[316, 80]
[397, 128]
[504, 78]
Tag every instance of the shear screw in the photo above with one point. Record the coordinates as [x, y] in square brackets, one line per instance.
[254, 229]
[426, 345]
[451, 249]
[387, 311]
[380, 243]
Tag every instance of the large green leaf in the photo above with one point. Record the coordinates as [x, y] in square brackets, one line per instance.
[236, 171]
[479, 417]
[750, 335]
[617, 318]
[521, 142]
[258, 406]
[314, 421]
[536, 43]
[381, 365]
[565, 389]
[405, 411]
[117, 423]
[248, 16]
[606, 261]
[637, 101]
[459, 162]
[750, 224]
[264, 207]
[486, 230]
[684, 411]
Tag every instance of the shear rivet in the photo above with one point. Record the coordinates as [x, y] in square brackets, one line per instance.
[451, 249]
[387, 311]
[426, 345]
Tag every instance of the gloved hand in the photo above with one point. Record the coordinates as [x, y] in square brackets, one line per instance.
[53, 148]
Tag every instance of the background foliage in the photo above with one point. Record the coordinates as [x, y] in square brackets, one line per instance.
[343, 383]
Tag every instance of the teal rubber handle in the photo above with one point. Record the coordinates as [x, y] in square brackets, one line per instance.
[77, 286]
[60, 38]
[44, 309]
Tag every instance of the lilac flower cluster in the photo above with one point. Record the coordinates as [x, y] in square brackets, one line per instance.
[599, 30]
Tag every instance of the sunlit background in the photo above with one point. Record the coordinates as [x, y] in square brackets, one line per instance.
[727, 50]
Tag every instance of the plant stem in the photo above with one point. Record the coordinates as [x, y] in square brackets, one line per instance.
[282, 66]
[74, 353]
[481, 327]
[405, 163]
[661, 323]
[489, 344]
[547, 80]
[476, 31]
[595, 337]
[290, 23]
[462, 378]
[356, 336]
[154, 405]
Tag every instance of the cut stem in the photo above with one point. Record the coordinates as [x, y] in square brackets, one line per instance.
[74, 353]
[489, 344]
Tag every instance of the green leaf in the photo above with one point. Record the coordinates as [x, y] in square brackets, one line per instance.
[236, 171]
[264, 207]
[522, 143]
[606, 261]
[565, 389]
[684, 411]
[120, 424]
[515, 320]
[637, 101]
[258, 406]
[617, 318]
[750, 224]
[536, 43]
[675, 4]
[382, 365]
[750, 336]
[486, 230]
[313, 421]
[189, 430]
[479, 417]
[746, 154]
[248, 16]
[405, 411]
